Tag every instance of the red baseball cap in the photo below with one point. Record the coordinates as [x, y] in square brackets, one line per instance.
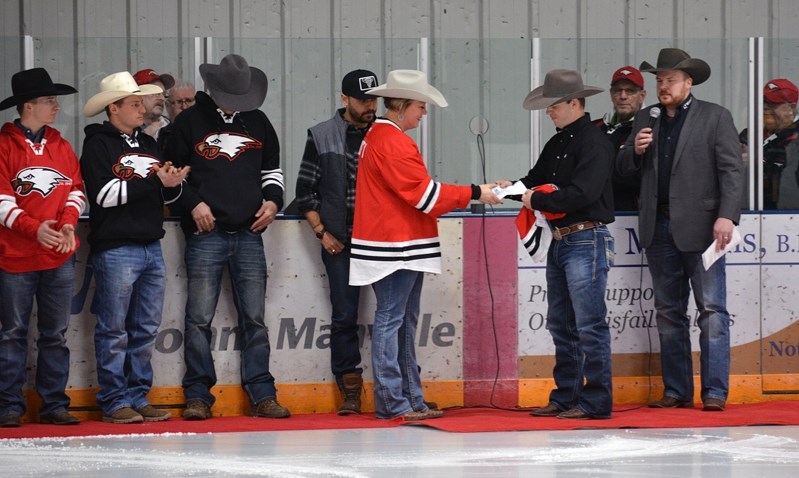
[147, 76]
[630, 74]
[780, 91]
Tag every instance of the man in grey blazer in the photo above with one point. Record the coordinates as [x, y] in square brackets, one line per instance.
[689, 160]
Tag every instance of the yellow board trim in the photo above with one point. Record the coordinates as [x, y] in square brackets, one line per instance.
[305, 398]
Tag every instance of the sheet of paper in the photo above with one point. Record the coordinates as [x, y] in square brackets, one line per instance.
[710, 255]
[516, 188]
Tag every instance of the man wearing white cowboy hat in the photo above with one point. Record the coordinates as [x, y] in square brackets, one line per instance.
[234, 192]
[128, 187]
[689, 161]
[41, 198]
[395, 237]
[577, 164]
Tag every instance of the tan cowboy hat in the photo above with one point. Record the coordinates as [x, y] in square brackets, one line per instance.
[676, 59]
[115, 87]
[411, 85]
[559, 86]
[235, 85]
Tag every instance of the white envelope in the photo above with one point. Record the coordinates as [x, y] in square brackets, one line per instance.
[516, 188]
[710, 255]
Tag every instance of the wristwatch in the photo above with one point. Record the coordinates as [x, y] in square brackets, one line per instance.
[321, 233]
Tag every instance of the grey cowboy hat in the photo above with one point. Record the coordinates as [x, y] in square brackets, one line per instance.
[559, 86]
[235, 85]
[34, 83]
[676, 59]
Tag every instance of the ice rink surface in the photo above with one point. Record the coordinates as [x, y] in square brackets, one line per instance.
[414, 451]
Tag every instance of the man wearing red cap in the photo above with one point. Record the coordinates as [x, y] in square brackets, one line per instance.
[780, 128]
[154, 105]
[627, 93]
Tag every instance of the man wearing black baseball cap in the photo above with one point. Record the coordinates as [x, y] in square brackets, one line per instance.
[326, 196]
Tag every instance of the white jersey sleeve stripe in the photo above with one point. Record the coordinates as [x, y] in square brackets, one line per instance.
[113, 194]
[429, 198]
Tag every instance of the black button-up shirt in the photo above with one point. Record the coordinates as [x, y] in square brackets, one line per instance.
[669, 134]
[578, 159]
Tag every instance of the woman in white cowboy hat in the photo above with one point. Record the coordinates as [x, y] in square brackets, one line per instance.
[395, 237]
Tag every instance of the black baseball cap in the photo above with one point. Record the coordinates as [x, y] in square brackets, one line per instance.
[357, 82]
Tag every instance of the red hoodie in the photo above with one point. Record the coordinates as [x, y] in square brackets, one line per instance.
[38, 182]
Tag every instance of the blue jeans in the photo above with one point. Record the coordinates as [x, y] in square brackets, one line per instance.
[207, 255]
[398, 388]
[128, 301]
[577, 274]
[672, 273]
[53, 291]
[345, 354]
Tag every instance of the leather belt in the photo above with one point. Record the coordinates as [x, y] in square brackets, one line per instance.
[560, 232]
[663, 210]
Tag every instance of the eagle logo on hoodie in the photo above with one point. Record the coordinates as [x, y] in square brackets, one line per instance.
[228, 145]
[134, 165]
[43, 180]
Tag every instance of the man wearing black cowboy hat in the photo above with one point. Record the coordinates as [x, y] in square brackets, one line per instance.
[689, 161]
[41, 198]
[576, 163]
[233, 193]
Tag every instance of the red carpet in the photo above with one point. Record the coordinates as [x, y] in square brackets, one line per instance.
[487, 419]
[457, 420]
[214, 425]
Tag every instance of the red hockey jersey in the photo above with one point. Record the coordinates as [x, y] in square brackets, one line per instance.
[396, 206]
[38, 182]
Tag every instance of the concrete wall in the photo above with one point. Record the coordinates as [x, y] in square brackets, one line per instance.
[479, 56]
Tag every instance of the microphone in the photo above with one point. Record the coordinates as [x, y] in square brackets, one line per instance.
[654, 114]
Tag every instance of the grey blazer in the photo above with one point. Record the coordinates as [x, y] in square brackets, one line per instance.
[707, 176]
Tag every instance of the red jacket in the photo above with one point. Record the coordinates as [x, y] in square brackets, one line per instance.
[38, 182]
[396, 205]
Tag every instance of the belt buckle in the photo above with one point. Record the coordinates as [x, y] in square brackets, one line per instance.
[556, 234]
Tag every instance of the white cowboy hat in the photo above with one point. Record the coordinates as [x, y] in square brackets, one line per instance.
[115, 87]
[409, 84]
[559, 86]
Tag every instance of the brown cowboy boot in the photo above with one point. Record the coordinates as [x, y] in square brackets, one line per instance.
[353, 385]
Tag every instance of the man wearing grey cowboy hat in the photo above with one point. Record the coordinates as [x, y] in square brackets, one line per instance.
[577, 162]
[233, 193]
[41, 198]
[689, 161]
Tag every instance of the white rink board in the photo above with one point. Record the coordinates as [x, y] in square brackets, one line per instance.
[629, 291]
[297, 294]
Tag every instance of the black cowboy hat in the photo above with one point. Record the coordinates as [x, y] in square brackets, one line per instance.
[33, 83]
[676, 59]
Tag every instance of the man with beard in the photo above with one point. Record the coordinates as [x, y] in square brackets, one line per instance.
[689, 162]
[326, 196]
[154, 104]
